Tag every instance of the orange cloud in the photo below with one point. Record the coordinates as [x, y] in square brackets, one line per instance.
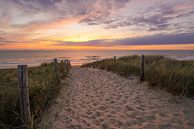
[47, 46]
[51, 24]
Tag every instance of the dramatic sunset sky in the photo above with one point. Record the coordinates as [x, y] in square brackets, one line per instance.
[97, 24]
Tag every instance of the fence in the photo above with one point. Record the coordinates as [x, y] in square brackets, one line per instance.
[26, 117]
[142, 66]
[159, 71]
[23, 87]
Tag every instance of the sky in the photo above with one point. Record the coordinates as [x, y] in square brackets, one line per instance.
[97, 24]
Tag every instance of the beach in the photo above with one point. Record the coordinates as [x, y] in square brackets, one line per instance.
[97, 99]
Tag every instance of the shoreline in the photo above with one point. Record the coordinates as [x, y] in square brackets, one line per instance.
[73, 65]
[80, 57]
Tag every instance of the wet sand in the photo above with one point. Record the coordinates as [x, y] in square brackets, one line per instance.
[96, 99]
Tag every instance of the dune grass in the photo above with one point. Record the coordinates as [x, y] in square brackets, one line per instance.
[43, 87]
[175, 76]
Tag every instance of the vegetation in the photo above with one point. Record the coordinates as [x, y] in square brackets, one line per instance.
[43, 87]
[175, 76]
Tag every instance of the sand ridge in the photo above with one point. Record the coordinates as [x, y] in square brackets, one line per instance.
[96, 99]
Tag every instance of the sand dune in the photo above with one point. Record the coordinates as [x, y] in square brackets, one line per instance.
[96, 99]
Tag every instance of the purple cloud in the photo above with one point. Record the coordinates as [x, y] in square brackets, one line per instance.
[87, 43]
[94, 12]
[60, 9]
[157, 18]
[159, 39]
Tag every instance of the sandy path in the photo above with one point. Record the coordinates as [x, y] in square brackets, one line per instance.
[98, 99]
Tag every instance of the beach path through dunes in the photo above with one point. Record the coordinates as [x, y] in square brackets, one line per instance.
[96, 99]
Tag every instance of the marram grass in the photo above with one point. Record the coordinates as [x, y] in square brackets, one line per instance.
[43, 87]
[175, 76]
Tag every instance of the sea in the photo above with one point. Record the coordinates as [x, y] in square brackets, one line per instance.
[10, 58]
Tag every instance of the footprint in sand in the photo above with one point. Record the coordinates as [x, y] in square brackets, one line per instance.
[102, 100]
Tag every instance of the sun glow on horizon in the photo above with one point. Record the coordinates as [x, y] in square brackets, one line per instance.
[77, 39]
[139, 47]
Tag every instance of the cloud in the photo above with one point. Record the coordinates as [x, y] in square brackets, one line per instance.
[24, 13]
[185, 14]
[4, 41]
[158, 39]
[86, 43]
[27, 20]
[102, 11]
[30, 11]
[157, 18]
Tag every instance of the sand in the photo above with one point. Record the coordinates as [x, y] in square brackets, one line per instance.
[96, 99]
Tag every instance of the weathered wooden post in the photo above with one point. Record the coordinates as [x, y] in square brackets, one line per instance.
[97, 66]
[64, 61]
[69, 64]
[115, 63]
[62, 66]
[142, 68]
[103, 65]
[56, 69]
[24, 95]
[66, 67]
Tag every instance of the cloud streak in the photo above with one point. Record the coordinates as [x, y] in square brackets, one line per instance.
[159, 39]
[157, 18]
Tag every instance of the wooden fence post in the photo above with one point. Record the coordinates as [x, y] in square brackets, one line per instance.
[97, 62]
[24, 95]
[62, 66]
[65, 63]
[142, 68]
[68, 67]
[103, 65]
[70, 64]
[56, 69]
[115, 63]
